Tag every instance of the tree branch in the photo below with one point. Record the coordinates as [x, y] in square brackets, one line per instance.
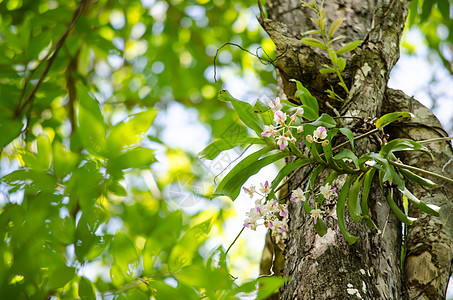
[58, 45]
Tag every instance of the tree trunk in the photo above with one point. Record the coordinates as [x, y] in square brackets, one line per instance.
[328, 267]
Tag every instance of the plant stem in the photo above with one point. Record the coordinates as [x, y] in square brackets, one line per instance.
[235, 239]
[436, 140]
[356, 139]
[415, 169]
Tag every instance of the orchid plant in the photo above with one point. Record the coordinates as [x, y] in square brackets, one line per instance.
[283, 128]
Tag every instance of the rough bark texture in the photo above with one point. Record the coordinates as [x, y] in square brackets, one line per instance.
[328, 267]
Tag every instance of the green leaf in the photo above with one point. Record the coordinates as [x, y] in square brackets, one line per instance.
[232, 188]
[116, 188]
[247, 161]
[324, 120]
[65, 161]
[401, 145]
[44, 151]
[327, 149]
[326, 71]
[91, 128]
[59, 276]
[269, 285]
[334, 26]
[320, 227]
[260, 107]
[427, 208]
[333, 56]
[397, 211]
[314, 174]
[305, 97]
[346, 154]
[418, 179]
[200, 276]
[348, 133]
[309, 113]
[341, 64]
[354, 207]
[365, 193]
[244, 110]
[313, 43]
[340, 210]
[349, 47]
[150, 254]
[10, 130]
[212, 150]
[288, 168]
[135, 158]
[130, 133]
[184, 251]
[390, 118]
[86, 290]
[124, 253]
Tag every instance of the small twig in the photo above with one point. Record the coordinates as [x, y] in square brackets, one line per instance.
[234, 241]
[355, 139]
[415, 169]
[58, 45]
[232, 162]
[442, 139]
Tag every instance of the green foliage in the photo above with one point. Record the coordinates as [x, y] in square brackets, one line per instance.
[319, 136]
[81, 84]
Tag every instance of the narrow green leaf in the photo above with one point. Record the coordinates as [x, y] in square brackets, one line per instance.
[232, 188]
[340, 210]
[354, 207]
[418, 179]
[348, 133]
[314, 31]
[313, 43]
[314, 174]
[346, 154]
[349, 47]
[365, 193]
[212, 150]
[401, 145]
[326, 71]
[288, 168]
[333, 56]
[427, 208]
[341, 64]
[247, 161]
[334, 26]
[390, 118]
[327, 149]
[398, 212]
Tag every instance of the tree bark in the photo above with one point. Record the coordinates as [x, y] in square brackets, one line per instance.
[328, 267]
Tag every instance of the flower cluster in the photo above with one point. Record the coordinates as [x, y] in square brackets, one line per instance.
[319, 136]
[282, 131]
[326, 190]
[270, 214]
